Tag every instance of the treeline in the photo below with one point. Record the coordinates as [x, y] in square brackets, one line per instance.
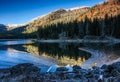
[109, 26]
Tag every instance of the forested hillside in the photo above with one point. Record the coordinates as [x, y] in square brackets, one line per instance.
[55, 17]
[111, 8]
[101, 20]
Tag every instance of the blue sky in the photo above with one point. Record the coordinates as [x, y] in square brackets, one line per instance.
[22, 11]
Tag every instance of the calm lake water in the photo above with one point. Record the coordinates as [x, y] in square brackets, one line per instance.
[48, 54]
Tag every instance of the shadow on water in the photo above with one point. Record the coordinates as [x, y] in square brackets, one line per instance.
[106, 48]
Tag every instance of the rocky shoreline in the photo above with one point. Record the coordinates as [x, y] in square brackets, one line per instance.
[27, 72]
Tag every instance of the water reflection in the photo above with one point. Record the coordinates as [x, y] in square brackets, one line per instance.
[11, 55]
[63, 53]
[77, 53]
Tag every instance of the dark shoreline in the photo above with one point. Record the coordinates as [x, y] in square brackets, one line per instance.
[27, 72]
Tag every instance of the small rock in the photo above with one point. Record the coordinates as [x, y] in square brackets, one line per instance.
[104, 67]
[76, 68]
[32, 69]
[61, 69]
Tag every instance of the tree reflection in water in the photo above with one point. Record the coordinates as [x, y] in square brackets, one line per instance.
[63, 53]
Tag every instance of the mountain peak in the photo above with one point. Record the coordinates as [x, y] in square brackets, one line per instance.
[75, 8]
[59, 11]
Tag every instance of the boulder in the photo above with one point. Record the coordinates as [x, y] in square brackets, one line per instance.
[76, 68]
[20, 68]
